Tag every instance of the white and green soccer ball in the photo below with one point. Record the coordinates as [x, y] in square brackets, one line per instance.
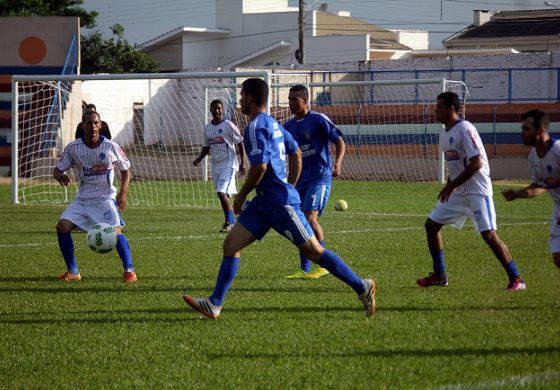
[341, 205]
[101, 238]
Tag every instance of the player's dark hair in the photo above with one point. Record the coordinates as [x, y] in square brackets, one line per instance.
[540, 118]
[450, 99]
[91, 113]
[90, 107]
[301, 91]
[216, 101]
[257, 89]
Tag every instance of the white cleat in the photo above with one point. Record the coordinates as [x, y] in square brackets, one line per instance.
[368, 297]
[204, 306]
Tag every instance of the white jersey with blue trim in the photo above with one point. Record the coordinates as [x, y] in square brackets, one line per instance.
[96, 166]
[546, 170]
[459, 144]
[222, 140]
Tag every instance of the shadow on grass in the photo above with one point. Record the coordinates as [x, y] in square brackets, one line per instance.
[399, 353]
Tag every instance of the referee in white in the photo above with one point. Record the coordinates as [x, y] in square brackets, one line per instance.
[95, 158]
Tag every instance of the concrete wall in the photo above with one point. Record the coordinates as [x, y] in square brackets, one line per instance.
[319, 49]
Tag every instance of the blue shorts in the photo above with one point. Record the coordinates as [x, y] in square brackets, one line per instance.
[288, 220]
[315, 197]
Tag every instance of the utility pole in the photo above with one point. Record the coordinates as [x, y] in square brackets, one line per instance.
[301, 22]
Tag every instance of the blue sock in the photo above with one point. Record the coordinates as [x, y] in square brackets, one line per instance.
[228, 271]
[336, 266]
[124, 253]
[437, 258]
[511, 270]
[229, 216]
[304, 262]
[322, 242]
[66, 245]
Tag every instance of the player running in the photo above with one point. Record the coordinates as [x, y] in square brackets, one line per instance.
[97, 200]
[544, 161]
[313, 132]
[222, 139]
[468, 193]
[276, 205]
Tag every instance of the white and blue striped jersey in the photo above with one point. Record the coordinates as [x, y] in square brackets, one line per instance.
[96, 166]
[222, 140]
[546, 170]
[459, 144]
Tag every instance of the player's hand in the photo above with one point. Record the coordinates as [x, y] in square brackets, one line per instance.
[196, 162]
[445, 193]
[509, 194]
[238, 203]
[121, 201]
[64, 180]
[337, 170]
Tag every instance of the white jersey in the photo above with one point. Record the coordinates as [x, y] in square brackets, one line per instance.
[546, 170]
[459, 144]
[222, 140]
[96, 167]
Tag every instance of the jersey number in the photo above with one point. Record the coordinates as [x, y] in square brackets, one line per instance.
[282, 150]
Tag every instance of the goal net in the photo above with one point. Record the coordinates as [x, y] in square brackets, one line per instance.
[158, 119]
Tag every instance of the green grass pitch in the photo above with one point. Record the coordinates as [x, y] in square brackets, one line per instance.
[274, 332]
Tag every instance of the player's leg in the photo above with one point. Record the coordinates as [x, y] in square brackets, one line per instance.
[554, 238]
[484, 218]
[225, 186]
[64, 229]
[123, 249]
[291, 223]
[314, 198]
[238, 238]
[556, 258]
[452, 212]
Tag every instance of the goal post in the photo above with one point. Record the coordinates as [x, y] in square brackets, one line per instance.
[389, 127]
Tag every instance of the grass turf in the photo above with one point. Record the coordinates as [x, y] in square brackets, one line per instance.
[274, 332]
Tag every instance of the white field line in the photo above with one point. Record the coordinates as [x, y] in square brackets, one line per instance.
[506, 383]
[198, 237]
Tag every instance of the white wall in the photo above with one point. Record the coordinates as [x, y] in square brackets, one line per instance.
[415, 39]
[320, 49]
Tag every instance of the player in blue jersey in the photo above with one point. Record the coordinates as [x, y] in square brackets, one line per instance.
[276, 205]
[544, 160]
[96, 158]
[313, 132]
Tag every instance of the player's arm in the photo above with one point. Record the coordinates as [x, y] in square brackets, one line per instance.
[203, 153]
[294, 167]
[123, 191]
[241, 152]
[254, 176]
[475, 163]
[61, 177]
[340, 150]
[530, 191]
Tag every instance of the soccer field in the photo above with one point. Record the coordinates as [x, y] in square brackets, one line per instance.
[274, 332]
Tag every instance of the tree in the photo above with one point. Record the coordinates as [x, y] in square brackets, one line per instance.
[48, 8]
[114, 55]
[98, 55]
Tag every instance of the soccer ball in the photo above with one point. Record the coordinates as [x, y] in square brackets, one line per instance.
[101, 238]
[341, 205]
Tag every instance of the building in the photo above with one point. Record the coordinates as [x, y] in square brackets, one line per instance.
[530, 30]
[249, 34]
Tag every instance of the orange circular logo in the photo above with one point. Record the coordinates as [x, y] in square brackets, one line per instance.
[32, 50]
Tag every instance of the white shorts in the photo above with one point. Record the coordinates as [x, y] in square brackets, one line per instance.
[87, 212]
[554, 239]
[454, 212]
[224, 181]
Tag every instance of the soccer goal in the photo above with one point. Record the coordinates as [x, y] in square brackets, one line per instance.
[157, 119]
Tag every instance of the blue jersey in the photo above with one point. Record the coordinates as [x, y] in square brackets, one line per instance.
[267, 142]
[313, 134]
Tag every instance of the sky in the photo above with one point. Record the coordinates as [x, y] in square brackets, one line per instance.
[146, 19]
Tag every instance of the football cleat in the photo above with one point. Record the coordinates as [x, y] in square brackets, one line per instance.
[299, 274]
[317, 272]
[516, 284]
[70, 277]
[129, 277]
[433, 279]
[368, 297]
[226, 228]
[204, 306]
